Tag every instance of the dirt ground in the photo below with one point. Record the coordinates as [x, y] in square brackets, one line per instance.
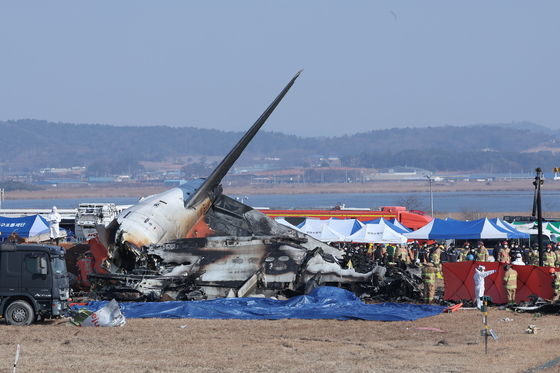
[190, 345]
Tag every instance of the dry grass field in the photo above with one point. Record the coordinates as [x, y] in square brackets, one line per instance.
[190, 345]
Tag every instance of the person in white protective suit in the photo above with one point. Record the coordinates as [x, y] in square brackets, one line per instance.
[479, 276]
[54, 221]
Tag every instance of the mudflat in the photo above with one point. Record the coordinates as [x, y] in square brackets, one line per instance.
[142, 190]
[443, 343]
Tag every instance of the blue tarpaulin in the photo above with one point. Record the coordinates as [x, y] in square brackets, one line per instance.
[323, 303]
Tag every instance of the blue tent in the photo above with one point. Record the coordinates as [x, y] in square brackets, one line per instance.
[439, 229]
[507, 226]
[27, 226]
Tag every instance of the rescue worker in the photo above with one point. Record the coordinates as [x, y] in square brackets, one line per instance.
[555, 285]
[481, 252]
[429, 278]
[479, 276]
[518, 261]
[534, 256]
[549, 259]
[503, 255]
[557, 255]
[54, 219]
[391, 252]
[510, 283]
[435, 259]
[403, 254]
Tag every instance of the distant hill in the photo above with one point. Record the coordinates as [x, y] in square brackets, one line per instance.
[32, 144]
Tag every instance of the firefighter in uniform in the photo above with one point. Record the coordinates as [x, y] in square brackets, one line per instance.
[429, 279]
[555, 285]
[549, 257]
[534, 257]
[482, 252]
[510, 283]
[503, 255]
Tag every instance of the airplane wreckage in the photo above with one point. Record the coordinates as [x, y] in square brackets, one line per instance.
[192, 242]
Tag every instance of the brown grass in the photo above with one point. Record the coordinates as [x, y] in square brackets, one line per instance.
[158, 345]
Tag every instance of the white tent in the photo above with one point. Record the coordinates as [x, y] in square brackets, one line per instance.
[377, 233]
[286, 223]
[346, 227]
[319, 230]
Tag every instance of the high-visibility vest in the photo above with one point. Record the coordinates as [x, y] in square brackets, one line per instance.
[482, 255]
[435, 257]
[534, 257]
[549, 258]
[556, 283]
[428, 275]
[510, 279]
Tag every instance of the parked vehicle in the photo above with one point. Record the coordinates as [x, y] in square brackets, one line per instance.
[33, 282]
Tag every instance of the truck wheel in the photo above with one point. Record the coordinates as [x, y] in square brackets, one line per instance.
[19, 313]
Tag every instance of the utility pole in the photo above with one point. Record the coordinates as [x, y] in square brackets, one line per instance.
[431, 195]
[537, 210]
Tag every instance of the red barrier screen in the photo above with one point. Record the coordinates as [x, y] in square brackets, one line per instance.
[459, 283]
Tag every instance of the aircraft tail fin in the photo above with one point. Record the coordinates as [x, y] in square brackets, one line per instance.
[218, 174]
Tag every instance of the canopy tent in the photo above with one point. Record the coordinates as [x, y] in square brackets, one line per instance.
[548, 229]
[346, 227]
[27, 226]
[286, 223]
[439, 229]
[507, 226]
[378, 233]
[319, 230]
[393, 223]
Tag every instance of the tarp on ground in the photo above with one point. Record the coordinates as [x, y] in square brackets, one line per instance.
[439, 229]
[377, 233]
[317, 229]
[27, 226]
[459, 282]
[346, 227]
[322, 303]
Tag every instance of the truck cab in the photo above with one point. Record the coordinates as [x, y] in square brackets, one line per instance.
[33, 282]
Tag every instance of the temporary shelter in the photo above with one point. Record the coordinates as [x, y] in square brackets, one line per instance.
[26, 227]
[318, 229]
[346, 227]
[439, 229]
[377, 233]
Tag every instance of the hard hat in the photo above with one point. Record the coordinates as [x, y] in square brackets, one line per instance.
[481, 268]
[551, 270]
[54, 208]
[470, 257]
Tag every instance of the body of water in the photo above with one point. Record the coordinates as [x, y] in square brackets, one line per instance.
[443, 201]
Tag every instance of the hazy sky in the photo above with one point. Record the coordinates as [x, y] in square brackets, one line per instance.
[218, 64]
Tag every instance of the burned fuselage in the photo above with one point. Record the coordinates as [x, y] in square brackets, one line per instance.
[193, 240]
[248, 253]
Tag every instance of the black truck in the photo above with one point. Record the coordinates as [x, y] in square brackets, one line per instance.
[33, 282]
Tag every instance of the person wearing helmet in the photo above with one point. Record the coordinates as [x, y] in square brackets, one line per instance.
[481, 252]
[555, 285]
[510, 283]
[54, 221]
[479, 275]
[549, 257]
[429, 278]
